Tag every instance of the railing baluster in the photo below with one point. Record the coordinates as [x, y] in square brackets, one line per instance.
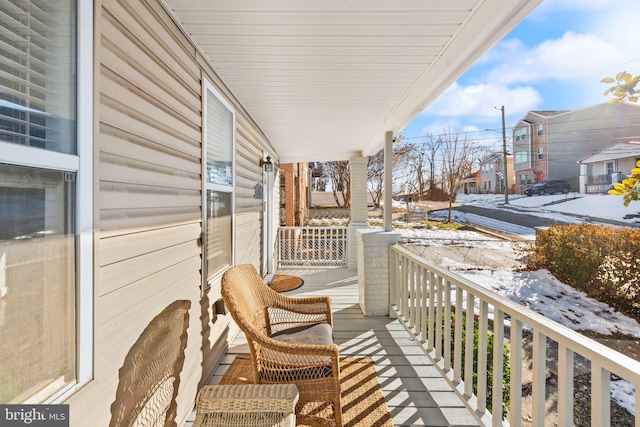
[600, 396]
[565, 385]
[412, 295]
[539, 378]
[418, 300]
[394, 265]
[482, 356]
[424, 312]
[468, 346]
[405, 284]
[515, 354]
[447, 325]
[438, 318]
[637, 408]
[457, 337]
[498, 366]
[432, 312]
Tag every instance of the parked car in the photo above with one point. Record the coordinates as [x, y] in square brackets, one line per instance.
[548, 187]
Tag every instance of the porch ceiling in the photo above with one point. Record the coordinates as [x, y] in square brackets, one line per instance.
[326, 79]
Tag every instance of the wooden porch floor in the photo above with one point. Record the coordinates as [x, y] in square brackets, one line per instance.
[415, 392]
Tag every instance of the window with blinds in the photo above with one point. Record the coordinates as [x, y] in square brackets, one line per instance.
[218, 183]
[38, 194]
[37, 74]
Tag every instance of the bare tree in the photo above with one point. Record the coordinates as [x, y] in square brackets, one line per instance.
[458, 155]
[430, 147]
[375, 170]
[339, 174]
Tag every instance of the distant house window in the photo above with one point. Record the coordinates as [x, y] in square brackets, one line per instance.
[539, 128]
[540, 153]
[219, 143]
[525, 178]
[521, 157]
[609, 168]
[520, 134]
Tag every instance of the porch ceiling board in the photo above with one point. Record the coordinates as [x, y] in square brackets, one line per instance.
[325, 79]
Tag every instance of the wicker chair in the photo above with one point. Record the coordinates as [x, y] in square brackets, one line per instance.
[290, 339]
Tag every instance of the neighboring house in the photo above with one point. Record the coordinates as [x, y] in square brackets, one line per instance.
[492, 173]
[471, 184]
[609, 165]
[547, 145]
[133, 137]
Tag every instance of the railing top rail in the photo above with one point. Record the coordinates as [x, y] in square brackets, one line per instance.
[610, 359]
[313, 227]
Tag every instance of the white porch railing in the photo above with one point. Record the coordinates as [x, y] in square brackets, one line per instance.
[431, 301]
[312, 246]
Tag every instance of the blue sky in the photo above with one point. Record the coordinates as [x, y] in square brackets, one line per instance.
[553, 60]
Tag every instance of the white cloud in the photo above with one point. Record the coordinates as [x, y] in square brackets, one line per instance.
[570, 58]
[479, 102]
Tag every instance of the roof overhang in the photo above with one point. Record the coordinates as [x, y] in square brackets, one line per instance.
[619, 150]
[324, 80]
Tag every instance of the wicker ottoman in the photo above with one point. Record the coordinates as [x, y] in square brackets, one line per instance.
[246, 405]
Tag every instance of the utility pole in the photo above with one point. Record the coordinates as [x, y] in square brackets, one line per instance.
[504, 155]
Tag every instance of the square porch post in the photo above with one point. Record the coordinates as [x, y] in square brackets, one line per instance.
[359, 212]
[373, 250]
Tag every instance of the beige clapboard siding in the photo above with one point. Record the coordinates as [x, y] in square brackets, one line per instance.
[108, 377]
[249, 238]
[151, 35]
[149, 198]
[146, 108]
[131, 124]
[118, 245]
[137, 147]
[114, 345]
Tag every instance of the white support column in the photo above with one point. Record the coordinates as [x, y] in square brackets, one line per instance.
[373, 271]
[359, 212]
[583, 178]
[388, 183]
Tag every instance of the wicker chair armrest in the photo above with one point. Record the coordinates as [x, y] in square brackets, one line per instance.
[281, 398]
[288, 312]
[297, 349]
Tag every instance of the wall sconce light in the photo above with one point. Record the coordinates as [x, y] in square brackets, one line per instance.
[267, 164]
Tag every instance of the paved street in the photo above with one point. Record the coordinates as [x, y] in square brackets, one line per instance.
[505, 215]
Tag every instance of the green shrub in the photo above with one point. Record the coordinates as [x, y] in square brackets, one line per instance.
[602, 261]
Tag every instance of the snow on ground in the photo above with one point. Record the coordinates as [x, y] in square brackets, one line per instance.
[541, 292]
[563, 207]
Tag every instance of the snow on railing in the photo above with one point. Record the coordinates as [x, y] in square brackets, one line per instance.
[312, 246]
[432, 303]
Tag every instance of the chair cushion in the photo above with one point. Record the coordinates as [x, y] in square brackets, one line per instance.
[315, 333]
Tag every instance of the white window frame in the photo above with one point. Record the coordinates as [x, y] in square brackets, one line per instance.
[208, 87]
[81, 164]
